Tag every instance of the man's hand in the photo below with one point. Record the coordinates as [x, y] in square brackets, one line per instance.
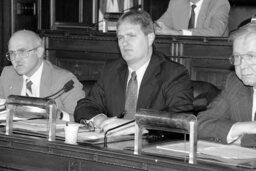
[162, 29]
[99, 119]
[111, 123]
[241, 128]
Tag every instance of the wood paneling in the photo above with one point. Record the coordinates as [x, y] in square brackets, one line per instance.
[30, 153]
[206, 58]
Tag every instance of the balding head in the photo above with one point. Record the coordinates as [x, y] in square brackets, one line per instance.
[26, 36]
[245, 32]
[26, 52]
[244, 54]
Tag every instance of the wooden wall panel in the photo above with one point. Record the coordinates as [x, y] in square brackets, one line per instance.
[85, 54]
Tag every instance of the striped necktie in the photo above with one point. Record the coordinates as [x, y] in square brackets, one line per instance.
[131, 97]
[29, 88]
[191, 23]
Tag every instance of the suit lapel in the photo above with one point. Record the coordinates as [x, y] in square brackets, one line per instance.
[149, 84]
[16, 86]
[46, 82]
[183, 11]
[245, 96]
[202, 14]
[121, 88]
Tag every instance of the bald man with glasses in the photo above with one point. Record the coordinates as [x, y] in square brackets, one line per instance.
[31, 75]
[230, 118]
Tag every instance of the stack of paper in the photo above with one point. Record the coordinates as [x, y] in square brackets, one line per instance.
[36, 125]
[210, 152]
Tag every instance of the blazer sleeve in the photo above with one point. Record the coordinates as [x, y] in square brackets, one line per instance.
[179, 92]
[215, 123]
[69, 99]
[2, 94]
[166, 18]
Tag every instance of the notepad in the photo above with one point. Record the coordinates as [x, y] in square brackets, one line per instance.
[213, 149]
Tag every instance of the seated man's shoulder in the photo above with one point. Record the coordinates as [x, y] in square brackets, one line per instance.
[56, 70]
[8, 70]
[219, 2]
[170, 64]
[114, 64]
[233, 81]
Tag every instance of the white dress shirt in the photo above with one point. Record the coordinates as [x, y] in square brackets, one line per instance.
[140, 73]
[197, 10]
[36, 80]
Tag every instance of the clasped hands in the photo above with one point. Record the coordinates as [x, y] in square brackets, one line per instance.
[104, 123]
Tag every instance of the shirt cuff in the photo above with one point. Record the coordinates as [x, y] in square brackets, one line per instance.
[187, 33]
[92, 119]
[236, 140]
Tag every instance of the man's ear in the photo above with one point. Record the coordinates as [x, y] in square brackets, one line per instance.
[40, 52]
[151, 38]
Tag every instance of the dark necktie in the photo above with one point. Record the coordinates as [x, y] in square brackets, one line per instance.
[255, 116]
[191, 23]
[131, 97]
[29, 88]
[249, 140]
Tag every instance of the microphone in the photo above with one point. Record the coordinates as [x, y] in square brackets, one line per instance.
[67, 87]
[111, 129]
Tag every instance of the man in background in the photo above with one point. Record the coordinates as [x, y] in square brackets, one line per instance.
[142, 78]
[195, 17]
[31, 75]
[230, 118]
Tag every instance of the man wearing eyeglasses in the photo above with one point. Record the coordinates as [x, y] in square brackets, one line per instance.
[31, 75]
[230, 118]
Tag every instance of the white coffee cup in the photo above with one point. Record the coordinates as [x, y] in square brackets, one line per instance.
[71, 132]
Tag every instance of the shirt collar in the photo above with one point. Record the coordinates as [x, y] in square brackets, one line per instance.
[141, 70]
[36, 77]
[198, 4]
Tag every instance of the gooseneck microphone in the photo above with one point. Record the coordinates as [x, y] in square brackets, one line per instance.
[67, 87]
[111, 129]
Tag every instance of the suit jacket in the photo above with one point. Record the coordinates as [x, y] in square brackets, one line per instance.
[52, 80]
[212, 19]
[234, 104]
[165, 86]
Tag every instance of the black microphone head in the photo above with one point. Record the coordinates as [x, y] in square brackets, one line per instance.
[68, 86]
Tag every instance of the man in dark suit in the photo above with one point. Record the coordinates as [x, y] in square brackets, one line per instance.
[26, 53]
[160, 83]
[211, 18]
[230, 118]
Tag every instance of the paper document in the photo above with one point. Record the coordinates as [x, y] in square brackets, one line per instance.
[37, 125]
[213, 149]
[3, 114]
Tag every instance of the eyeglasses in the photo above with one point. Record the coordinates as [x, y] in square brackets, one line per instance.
[89, 125]
[236, 59]
[11, 55]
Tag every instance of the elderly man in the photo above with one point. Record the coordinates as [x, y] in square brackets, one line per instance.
[31, 75]
[142, 78]
[195, 17]
[230, 118]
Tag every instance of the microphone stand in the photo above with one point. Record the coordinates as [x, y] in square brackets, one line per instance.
[111, 129]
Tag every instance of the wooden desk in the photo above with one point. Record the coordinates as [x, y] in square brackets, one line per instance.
[206, 58]
[19, 152]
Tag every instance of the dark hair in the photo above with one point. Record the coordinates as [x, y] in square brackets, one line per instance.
[244, 31]
[139, 17]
